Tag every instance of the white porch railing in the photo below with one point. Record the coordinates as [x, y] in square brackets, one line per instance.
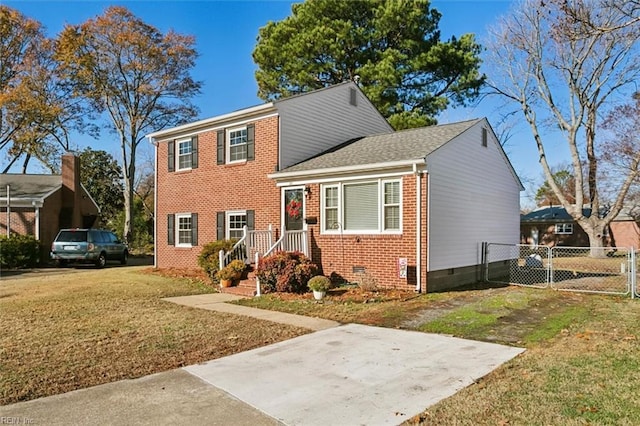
[291, 241]
[252, 242]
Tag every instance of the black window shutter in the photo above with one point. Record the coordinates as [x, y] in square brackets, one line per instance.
[220, 225]
[251, 219]
[170, 229]
[221, 147]
[251, 142]
[194, 152]
[194, 229]
[171, 156]
[353, 97]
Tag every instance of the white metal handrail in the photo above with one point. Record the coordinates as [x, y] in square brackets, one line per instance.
[245, 248]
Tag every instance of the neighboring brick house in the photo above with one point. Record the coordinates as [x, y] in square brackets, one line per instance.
[553, 226]
[411, 208]
[40, 205]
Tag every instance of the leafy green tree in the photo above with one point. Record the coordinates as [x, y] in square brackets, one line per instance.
[392, 48]
[102, 177]
[139, 76]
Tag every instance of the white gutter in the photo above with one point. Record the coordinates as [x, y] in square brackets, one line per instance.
[428, 222]
[209, 121]
[343, 169]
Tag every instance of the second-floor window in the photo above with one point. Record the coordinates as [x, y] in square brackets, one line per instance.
[184, 154]
[237, 144]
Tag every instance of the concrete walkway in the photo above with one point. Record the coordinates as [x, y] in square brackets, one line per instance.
[339, 375]
[216, 302]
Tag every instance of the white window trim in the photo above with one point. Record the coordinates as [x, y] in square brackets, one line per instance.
[563, 231]
[383, 205]
[227, 143]
[339, 230]
[227, 223]
[177, 229]
[177, 154]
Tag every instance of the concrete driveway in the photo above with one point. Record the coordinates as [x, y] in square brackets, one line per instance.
[353, 374]
[344, 375]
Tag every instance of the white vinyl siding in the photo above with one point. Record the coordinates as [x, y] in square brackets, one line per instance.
[473, 197]
[312, 124]
[183, 230]
[370, 207]
[183, 159]
[237, 144]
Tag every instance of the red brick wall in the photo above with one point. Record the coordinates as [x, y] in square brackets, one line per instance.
[211, 188]
[377, 253]
[22, 219]
[625, 234]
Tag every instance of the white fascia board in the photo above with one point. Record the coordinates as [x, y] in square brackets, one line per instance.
[308, 175]
[208, 122]
[91, 198]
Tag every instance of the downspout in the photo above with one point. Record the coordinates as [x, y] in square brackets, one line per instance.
[37, 213]
[155, 204]
[418, 174]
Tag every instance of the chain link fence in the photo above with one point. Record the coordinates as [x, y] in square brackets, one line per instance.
[604, 270]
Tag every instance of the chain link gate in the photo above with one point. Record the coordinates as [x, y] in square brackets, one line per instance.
[591, 270]
[583, 269]
[517, 264]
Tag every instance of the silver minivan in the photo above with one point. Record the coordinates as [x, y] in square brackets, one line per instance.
[95, 246]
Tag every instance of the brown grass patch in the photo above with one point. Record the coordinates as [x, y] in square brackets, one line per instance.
[71, 331]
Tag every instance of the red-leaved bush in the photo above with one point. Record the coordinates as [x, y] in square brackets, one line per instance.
[286, 272]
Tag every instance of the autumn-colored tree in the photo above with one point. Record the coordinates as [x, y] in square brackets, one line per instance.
[566, 73]
[563, 180]
[392, 48]
[37, 110]
[139, 76]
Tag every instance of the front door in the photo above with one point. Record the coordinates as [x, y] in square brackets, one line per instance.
[293, 202]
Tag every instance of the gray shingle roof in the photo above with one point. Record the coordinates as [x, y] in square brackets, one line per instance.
[412, 144]
[28, 186]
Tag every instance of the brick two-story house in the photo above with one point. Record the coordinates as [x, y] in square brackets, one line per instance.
[328, 173]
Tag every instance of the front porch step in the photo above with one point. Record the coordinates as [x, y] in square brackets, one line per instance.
[246, 287]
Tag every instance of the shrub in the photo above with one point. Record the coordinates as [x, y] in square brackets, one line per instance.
[319, 283]
[208, 258]
[367, 282]
[19, 251]
[287, 272]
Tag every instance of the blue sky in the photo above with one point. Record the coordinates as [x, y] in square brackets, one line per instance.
[226, 33]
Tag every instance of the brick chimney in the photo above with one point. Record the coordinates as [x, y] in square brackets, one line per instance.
[71, 190]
